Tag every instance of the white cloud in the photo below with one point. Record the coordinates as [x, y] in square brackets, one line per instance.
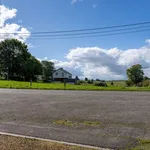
[12, 30]
[95, 62]
[147, 41]
[45, 58]
[75, 1]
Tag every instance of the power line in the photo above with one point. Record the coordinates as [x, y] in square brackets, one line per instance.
[83, 30]
[91, 29]
[90, 33]
[101, 35]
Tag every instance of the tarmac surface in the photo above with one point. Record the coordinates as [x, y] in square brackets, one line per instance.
[123, 117]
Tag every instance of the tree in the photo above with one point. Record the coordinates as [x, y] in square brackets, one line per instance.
[86, 79]
[135, 74]
[77, 78]
[48, 69]
[13, 56]
[32, 69]
[146, 78]
[97, 79]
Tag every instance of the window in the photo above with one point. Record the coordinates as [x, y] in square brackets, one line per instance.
[62, 74]
[56, 74]
[69, 77]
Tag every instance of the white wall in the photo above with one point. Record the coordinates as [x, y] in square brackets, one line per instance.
[60, 74]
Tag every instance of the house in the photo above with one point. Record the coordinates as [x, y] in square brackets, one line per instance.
[61, 74]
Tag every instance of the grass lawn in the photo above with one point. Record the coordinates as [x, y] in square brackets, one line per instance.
[18, 143]
[60, 86]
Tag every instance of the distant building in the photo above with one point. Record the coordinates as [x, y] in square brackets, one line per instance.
[61, 74]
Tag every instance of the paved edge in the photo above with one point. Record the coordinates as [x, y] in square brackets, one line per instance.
[54, 141]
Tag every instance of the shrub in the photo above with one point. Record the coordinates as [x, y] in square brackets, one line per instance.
[90, 82]
[129, 83]
[100, 84]
[82, 81]
[78, 82]
[146, 78]
[140, 84]
[146, 83]
[112, 83]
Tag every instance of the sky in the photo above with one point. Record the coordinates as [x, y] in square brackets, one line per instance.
[98, 57]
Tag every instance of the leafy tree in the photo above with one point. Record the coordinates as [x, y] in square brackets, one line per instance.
[17, 62]
[135, 74]
[146, 78]
[86, 79]
[33, 68]
[98, 80]
[77, 78]
[13, 56]
[48, 69]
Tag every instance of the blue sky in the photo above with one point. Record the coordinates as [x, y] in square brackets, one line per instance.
[51, 15]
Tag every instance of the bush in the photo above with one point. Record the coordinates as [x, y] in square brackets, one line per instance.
[112, 83]
[146, 83]
[140, 84]
[47, 81]
[100, 84]
[78, 82]
[90, 82]
[82, 81]
[129, 83]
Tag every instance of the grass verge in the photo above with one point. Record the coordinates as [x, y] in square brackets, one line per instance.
[143, 145]
[18, 143]
[60, 86]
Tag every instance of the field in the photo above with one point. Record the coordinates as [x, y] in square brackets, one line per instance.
[118, 86]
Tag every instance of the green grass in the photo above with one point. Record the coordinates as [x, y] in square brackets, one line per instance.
[76, 123]
[143, 145]
[117, 83]
[65, 123]
[60, 86]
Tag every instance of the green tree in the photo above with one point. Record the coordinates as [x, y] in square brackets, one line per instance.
[33, 69]
[13, 57]
[146, 78]
[48, 69]
[135, 74]
[77, 78]
[86, 79]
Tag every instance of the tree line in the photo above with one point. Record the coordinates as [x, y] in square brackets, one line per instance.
[17, 63]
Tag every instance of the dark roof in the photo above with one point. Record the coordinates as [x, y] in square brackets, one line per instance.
[63, 71]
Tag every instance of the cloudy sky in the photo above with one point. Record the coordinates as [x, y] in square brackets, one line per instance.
[98, 57]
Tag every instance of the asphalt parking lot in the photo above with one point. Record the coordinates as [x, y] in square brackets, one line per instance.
[123, 117]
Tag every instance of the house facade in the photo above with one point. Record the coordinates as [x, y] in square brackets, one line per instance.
[61, 74]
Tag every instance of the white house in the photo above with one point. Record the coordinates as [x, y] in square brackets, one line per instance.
[61, 74]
